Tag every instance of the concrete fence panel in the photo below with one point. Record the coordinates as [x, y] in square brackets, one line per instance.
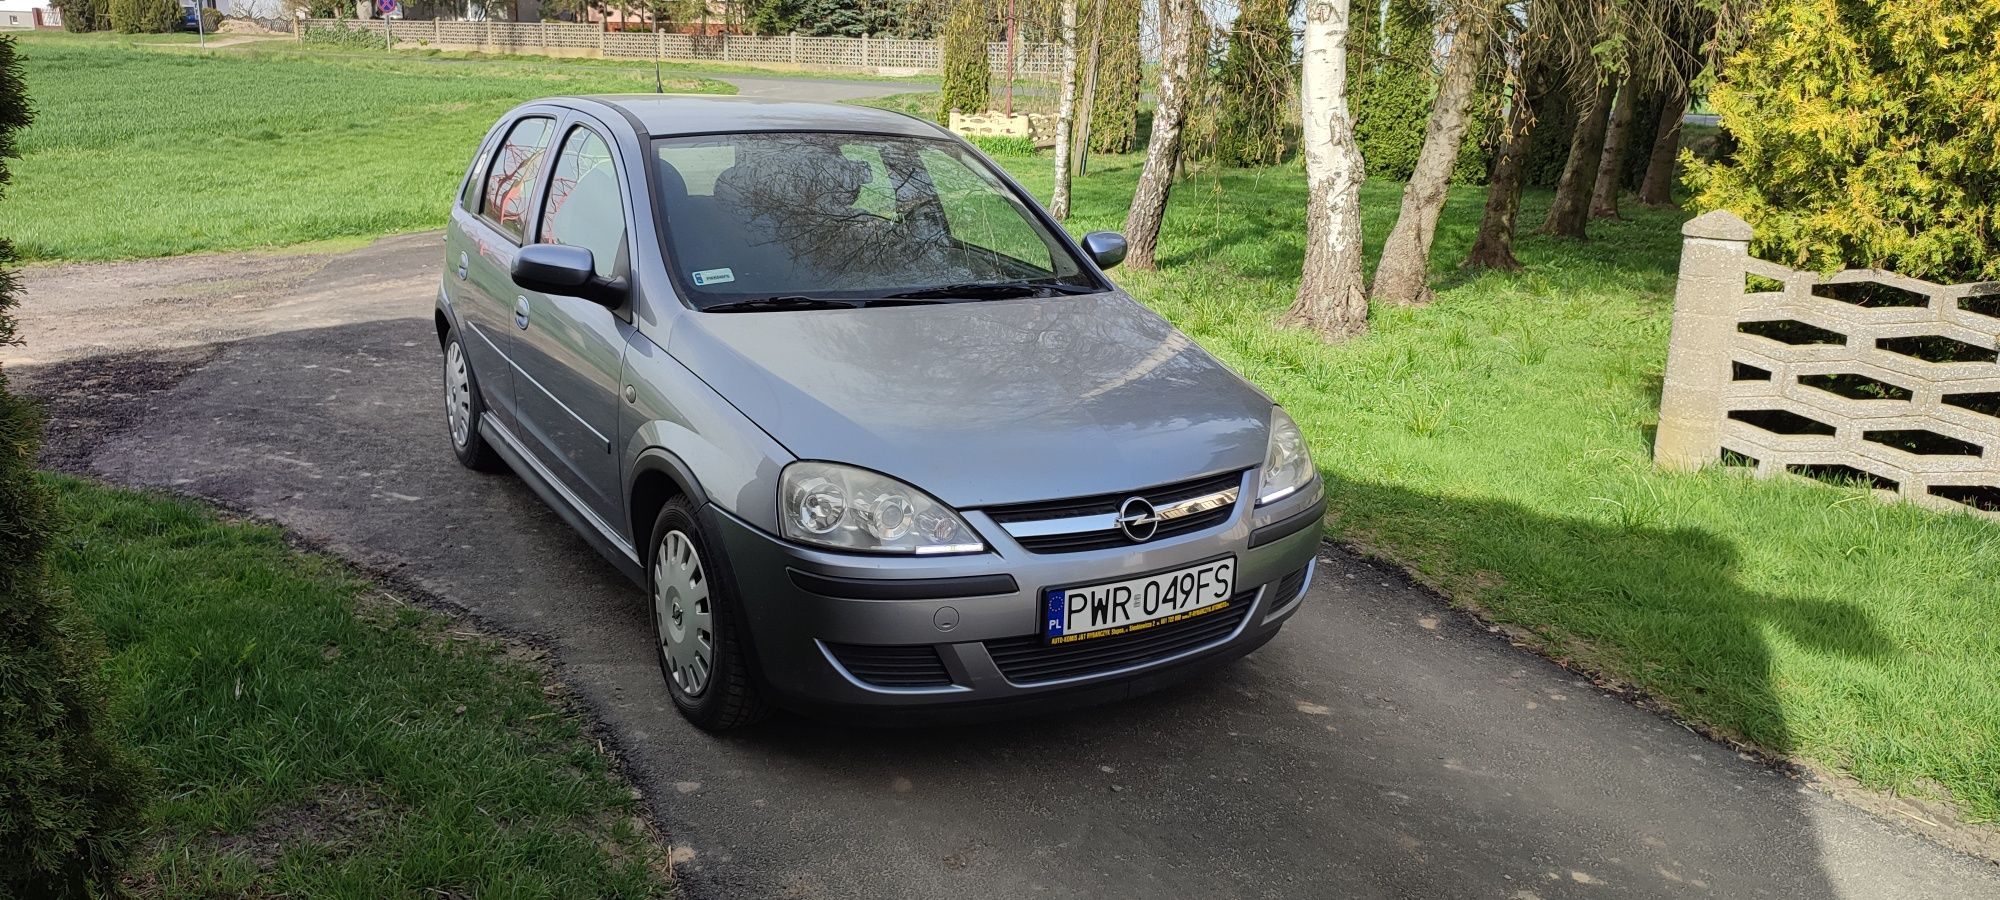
[1861, 375]
[873, 54]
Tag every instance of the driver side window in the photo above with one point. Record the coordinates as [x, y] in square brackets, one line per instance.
[585, 207]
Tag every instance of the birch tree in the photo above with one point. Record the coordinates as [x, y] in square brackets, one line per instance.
[1402, 276]
[1332, 298]
[1065, 112]
[1163, 149]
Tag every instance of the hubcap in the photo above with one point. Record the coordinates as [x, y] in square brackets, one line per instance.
[681, 607]
[457, 395]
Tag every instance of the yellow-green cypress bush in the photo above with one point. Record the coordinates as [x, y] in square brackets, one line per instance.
[1867, 134]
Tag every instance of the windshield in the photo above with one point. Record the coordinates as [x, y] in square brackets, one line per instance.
[819, 215]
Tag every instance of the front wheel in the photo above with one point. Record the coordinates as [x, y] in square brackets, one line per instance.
[463, 409]
[696, 629]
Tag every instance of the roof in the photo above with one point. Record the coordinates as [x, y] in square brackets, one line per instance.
[666, 115]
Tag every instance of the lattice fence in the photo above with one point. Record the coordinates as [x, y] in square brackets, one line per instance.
[1863, 375]
[562, 39]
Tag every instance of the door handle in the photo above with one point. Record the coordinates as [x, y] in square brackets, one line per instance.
[464, 265]
[521, 313]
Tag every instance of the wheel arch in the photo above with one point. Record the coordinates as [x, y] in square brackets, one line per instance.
[657, 476]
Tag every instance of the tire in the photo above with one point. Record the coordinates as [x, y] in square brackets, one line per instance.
[464, 409]
[697, 625]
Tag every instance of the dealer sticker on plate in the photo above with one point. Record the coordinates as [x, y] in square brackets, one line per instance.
[1139, 604]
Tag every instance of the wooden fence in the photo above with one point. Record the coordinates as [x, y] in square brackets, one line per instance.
[866, 54]
[1862, 375]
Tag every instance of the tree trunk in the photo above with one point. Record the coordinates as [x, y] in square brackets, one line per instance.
[1569, 216]
[1332, 298]
[1494, 247]
[1403, 274]
[1657, 189]
[1163, 149]
[1065, 112]
[1611, 169]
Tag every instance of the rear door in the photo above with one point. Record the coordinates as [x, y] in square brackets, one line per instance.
[572, 350]
[491, 222]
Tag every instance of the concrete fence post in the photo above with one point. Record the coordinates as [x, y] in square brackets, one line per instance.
[600, 42]
[864, 50]
[795, 48]
[1715, 252]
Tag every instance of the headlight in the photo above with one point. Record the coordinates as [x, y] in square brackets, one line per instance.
[1288, 466]
[846, 508]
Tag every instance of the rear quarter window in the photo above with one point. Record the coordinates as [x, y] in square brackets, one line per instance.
[510, 177]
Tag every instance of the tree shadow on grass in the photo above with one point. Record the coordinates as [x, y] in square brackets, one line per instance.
[1660, 607]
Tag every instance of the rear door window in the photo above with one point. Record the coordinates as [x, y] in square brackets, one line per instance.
[510, 180]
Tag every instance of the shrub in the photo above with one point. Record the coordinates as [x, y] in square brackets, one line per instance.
[967, 72]
[1256, 88]
[1392, 93]
[1114, 117]
[1002, 145]
[210, 19]
[1865, 135]
[344, 36]
[80, 15]
[144, 16]
[69, 793]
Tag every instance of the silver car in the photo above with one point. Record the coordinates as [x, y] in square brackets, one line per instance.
[873, 433]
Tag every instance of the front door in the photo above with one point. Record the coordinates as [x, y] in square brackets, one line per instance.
[571, 352]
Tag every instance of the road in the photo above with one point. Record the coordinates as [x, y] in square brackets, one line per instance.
[1383, 746]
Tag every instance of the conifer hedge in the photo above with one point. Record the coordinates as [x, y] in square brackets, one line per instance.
[70, 795]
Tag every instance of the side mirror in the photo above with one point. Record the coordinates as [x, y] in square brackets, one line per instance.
[1106, 248]
[565, 270]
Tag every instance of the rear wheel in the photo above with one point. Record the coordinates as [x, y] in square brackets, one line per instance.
[463, 410]
[696, 630]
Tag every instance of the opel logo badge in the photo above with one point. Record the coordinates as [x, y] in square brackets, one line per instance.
[1138, 519]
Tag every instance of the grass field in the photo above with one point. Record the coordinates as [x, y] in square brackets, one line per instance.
[148, 152]
[1497, 443]
[316, 737]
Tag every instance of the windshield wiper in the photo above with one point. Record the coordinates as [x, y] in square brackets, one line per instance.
[992, 290]
[781, 304]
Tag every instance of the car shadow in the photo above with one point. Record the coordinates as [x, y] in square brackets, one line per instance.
[1383, 745]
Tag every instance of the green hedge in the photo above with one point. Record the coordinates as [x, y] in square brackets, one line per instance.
[1391, 96]
[70, 794]
[144, 16]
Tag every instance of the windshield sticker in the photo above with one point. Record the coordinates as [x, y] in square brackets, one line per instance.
[713, 276]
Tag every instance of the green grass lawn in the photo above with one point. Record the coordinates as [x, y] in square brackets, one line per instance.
[1497, 443]
[314, 736]
[148, 152]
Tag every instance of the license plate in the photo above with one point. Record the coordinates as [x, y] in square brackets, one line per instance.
[1107, 610]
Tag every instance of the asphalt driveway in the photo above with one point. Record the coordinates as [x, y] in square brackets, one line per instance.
[1383, 745]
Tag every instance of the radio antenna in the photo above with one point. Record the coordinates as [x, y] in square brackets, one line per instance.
[657, 88]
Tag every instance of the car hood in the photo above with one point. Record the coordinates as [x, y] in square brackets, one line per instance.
[989, 402]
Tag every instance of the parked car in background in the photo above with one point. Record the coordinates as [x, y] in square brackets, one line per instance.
[869, 428]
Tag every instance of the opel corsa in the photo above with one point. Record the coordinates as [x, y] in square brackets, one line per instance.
[872, 432]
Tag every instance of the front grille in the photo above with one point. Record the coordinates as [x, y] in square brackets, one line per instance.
[915, 665]
[1109, 504]
[1026, 660]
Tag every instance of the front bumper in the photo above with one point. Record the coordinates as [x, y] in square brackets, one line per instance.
[851, 631]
